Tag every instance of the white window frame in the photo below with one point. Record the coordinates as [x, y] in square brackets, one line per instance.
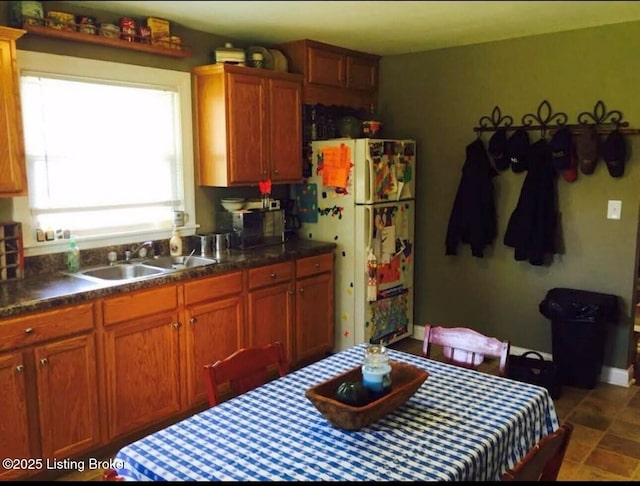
[38, 62]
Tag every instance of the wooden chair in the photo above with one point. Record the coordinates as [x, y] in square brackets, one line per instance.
[465, 347]
[543, 461]
[243, 370]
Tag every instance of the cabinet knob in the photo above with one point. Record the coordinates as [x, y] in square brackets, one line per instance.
[301, 290]
[192, 320]
[273, 275]
[317, 265]
[44, 361]
[290, 292]
[20, 368]
[276, 172]
[28, 330]
[176, 325]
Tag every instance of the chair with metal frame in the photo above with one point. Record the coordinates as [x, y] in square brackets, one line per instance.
[544, 460]
[466, 347]
[243, 371]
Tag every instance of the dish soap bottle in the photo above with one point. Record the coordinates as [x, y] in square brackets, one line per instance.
[175, 243]
[73, 256]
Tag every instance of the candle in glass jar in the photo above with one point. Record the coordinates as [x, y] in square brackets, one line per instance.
[376, 370]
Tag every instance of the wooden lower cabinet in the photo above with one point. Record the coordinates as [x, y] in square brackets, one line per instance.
[49, 388]
[214, 317]
[270, 307]
[14, 419]
[314, 326]
[67, 398]
[142, 359]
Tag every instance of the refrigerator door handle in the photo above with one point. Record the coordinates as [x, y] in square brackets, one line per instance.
[369, 225]
[370, 180]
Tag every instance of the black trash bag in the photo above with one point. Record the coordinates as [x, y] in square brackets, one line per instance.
[561, 304]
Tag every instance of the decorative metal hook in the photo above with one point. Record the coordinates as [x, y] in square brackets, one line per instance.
[600, 116]
[496, 120]
[545, 116]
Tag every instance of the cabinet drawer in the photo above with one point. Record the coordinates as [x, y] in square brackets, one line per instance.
[212, 287]
[314, 264]
[270, 274]
[44, 326]
[137, 304]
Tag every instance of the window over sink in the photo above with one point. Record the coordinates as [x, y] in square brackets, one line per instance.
[108, 149]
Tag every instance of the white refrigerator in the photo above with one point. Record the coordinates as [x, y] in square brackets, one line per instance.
[360, 196]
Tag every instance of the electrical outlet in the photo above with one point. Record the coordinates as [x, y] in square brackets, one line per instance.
[614, 209]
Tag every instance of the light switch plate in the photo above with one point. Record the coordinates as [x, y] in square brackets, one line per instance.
[614, 209]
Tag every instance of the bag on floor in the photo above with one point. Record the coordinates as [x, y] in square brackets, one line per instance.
[531, 367]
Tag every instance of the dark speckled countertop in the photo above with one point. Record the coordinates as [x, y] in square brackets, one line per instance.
[51, 290]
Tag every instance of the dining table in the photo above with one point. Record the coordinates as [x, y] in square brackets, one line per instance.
[460, 425]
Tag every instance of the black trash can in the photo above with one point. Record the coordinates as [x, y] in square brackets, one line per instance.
[578, 322]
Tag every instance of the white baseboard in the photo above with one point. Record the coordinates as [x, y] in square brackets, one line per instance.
[614, 376]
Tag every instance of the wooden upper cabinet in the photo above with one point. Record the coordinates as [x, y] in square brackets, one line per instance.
[248, 125]
[13, 175]
[334, 75]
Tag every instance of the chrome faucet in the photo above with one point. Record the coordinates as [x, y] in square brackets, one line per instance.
[129, 254]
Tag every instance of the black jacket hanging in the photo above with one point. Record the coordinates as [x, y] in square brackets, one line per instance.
[473, 216]
[532, 227]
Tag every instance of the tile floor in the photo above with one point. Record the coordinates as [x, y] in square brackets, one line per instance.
[605, 445]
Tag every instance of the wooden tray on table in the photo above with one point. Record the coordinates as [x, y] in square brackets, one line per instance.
[405, 381]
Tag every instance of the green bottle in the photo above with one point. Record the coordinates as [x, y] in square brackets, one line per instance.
[73, 256]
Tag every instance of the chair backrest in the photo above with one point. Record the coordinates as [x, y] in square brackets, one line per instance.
[466, 347]
[243, 370]
[543, 461]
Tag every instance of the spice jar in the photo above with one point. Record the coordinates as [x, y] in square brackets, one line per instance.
[376, 370]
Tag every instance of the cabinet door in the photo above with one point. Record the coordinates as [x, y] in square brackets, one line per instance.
[246, 119]
[13, 176]
[143, 376]
[14, 422]
[326, 67]
[285, 102]
[214, 331]
[362, 73]
[314, 316]
[67, 396]
[271, 317]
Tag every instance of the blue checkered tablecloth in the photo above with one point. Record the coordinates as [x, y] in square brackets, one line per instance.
[460, 425]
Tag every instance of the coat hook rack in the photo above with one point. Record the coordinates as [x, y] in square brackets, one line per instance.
[548, 121]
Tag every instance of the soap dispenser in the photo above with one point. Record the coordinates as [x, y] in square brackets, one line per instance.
[175, 243]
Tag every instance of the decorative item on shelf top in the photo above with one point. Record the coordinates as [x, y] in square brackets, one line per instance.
[371, 123]
[21, 13]
[406, 378]
[349, 127]
[230, 54]
[255, 53]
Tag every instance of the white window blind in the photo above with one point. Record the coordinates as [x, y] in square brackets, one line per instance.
[104, 156]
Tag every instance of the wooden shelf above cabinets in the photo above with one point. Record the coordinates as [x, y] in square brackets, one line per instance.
[178, 51]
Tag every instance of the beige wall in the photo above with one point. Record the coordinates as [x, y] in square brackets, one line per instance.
[438, 97]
